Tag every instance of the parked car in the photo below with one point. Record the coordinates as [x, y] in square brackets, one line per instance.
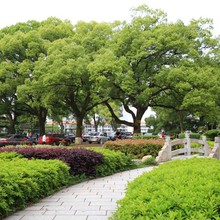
[16, 139]
[72, 137]
[99, 138]
[111, 136]
[55, 139]
[126, 135]
[85, 137]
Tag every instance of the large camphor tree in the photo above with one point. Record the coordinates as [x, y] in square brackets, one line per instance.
[65, 74]
[150, 62]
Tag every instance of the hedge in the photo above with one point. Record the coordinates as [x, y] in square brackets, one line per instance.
[80, 161]
[181, 189]
[24, 181]
[136, 148]
[113, 162]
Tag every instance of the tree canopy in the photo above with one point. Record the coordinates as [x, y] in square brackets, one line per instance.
[53, 68]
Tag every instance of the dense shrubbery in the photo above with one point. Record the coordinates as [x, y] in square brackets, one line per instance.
[136, 148]
[183, 189]
[211, 134]
[81, 161]
[23, 181]
[113, 162]
[191, 135]
[145, 137]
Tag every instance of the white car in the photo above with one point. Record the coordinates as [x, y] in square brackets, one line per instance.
[98, 137]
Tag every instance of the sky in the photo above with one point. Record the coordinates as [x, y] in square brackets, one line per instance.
[14, 11]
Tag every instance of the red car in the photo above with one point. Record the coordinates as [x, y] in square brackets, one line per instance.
[16, 139]
[55, 139]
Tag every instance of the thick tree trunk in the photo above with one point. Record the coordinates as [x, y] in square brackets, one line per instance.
[137, 127]
[79, 126]
[42, 115]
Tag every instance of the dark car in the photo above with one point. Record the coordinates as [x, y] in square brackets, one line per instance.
[72, 137]
[126, 135]
[55, 139]
[16, 139]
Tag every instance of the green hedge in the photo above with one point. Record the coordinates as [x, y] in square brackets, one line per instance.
[24, 181]
[181, 189]
[211, 134]
[136, 148]
[191, 135]
[144, 137]
[113, 162]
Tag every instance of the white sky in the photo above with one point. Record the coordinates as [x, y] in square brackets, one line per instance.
[14, 11]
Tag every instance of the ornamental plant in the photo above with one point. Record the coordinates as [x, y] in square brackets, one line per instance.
[80, 161]
[24, 181]
[136, 148]
[181, 189]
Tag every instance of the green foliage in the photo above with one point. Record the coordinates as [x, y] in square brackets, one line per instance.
[150, 161]
[10, 155]
[137, 137]
[136, 148]
[191, 135]
[113, 162]
[25, 181]
[175, 190]
[211, 134]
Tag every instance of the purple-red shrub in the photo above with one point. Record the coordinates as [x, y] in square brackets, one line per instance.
[79, 160]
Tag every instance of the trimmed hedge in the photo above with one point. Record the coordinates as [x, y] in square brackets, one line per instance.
[211, 134]
[181, 189]
[24, 181]
[113, 162]
[136, 148]
[138, 137]
[191, 135]
[80, 161]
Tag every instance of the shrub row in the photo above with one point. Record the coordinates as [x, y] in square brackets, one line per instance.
[113, 162]
[183, 189]
[211, 134]
[145, 137]
[136, 148]
[191, 135]
[80, 161]
[23, 181]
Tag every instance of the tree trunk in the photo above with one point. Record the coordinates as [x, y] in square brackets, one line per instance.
[137, 127]
[137, 120]
[79, 126]
[42, 116]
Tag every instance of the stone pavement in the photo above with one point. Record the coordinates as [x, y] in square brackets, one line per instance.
[90, 200]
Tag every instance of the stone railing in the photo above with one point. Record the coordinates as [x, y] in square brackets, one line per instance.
[215, 153]
[166, 152]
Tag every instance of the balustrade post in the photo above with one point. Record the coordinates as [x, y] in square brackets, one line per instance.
[168, 144]
[187, 144]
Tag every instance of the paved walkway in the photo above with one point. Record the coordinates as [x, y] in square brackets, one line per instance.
[90, 200]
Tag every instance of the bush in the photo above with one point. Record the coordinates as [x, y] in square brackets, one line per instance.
[79, 160]
[181, 189]
[211, 134]
[191, 135]
[145, 137]
[24, 181]
[113, 162]
[136, 148]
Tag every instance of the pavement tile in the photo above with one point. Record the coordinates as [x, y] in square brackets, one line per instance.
[91, 212]
[91, 200]
[63, 217]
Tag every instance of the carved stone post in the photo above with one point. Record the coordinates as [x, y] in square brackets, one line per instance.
[187, 144]
[168, 143]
